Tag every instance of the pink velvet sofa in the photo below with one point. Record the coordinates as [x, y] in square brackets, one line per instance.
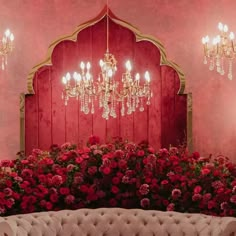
[116, 222]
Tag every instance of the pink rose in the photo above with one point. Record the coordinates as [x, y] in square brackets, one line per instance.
[144, 189]
[145, 203]
[7, 191]
[57, 180]
[196, 197]
[69, 199]
[176, 193]
[170, 207]
[233, 199]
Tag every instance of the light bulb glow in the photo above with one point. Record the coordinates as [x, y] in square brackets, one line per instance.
[68, 76]
[137, 76]
[82, 65]
[128, 65]
[147, 76]
[231, 35]
[220, 26]
[64, 81]
[225, 28]
[88, 66]
[7, 33]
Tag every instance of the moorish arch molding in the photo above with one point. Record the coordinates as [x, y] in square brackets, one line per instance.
[166, 120]
[139, 37]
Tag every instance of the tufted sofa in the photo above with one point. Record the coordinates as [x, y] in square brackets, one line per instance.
[116, 222]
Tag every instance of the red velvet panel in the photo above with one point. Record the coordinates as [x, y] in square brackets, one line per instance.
[49, 121]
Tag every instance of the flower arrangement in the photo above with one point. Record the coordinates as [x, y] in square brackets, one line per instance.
[117, 174]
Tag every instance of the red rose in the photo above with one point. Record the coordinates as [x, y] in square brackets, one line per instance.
[106, 170]
[93, 140]
[205, 171]
[83, 188]
[78, 160]
[164, 182]
[211, 204]
[54, 197]
[64, 191]
[49, 206]
[112, 202]
[115, 180]
[196, 155]
[197, 189]
[140, 153]
[115, 189]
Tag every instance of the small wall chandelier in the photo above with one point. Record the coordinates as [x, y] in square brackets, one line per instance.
[6, 46]
[105, 90]
[221, 49]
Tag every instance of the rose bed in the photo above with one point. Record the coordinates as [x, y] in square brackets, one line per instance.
[117, 174]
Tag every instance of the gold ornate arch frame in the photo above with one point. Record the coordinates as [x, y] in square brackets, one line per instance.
[139, 37]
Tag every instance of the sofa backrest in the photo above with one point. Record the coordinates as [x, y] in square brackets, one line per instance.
[116, 222]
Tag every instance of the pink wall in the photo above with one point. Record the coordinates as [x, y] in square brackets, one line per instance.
[178, 24]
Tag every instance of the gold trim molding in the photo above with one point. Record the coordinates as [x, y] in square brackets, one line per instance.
[22, 122]
[139, 37]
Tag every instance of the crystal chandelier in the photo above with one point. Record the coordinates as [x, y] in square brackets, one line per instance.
[221, 49]
[6, 46]
[129, 93]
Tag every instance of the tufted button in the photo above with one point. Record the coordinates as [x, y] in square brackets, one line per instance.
[144, 222]
[160, 222]
[95, 223]
[110, 222]
[153, 214]
[86, 213]
[127, 222]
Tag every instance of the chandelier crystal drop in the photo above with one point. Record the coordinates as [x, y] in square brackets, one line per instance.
[6, 46]
[221, 49]
[128, 94]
